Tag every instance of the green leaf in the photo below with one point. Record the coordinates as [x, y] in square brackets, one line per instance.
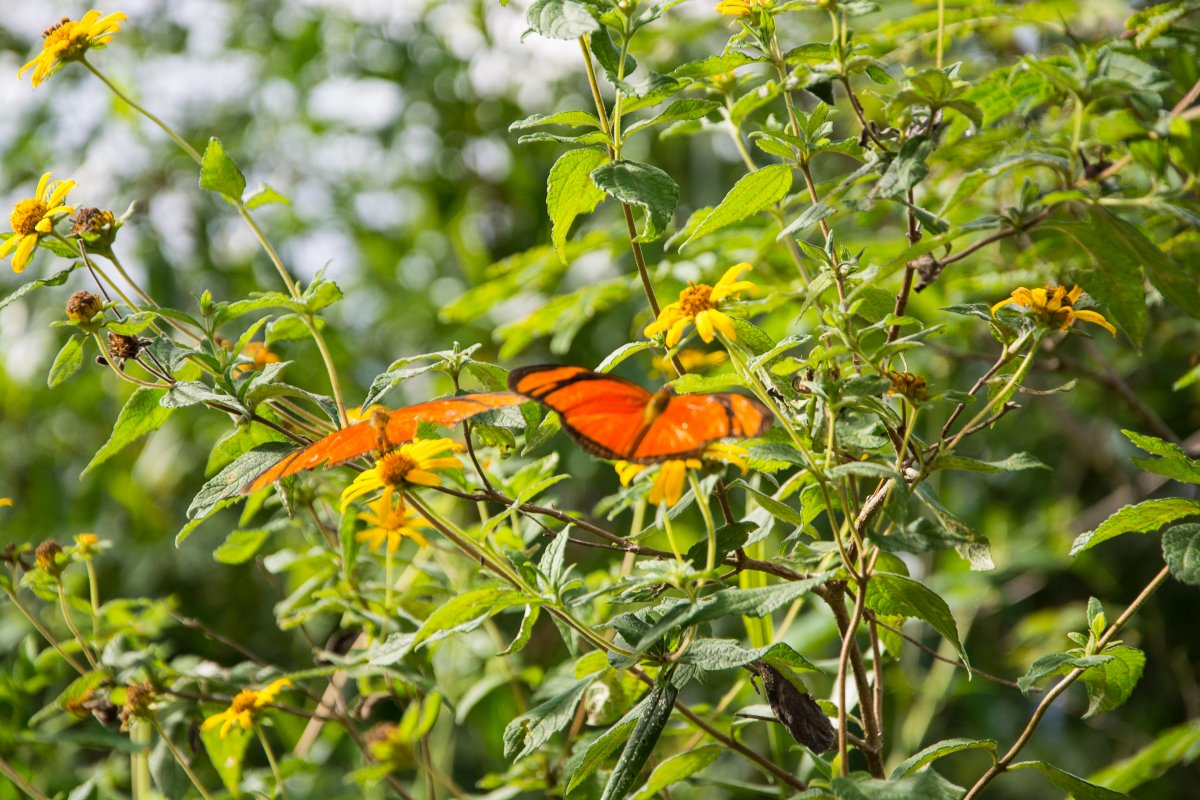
[264, 196]
[466, 612]
[906, 170]
[585, 762]
[751, 194]
[941, 749]
[675, 769]
[570, 119]
[900, 596]
[1015, 462]
[68, 361]
[142, 413]
[1116, 275]
[531, 730]
[678, 111]
[1110, 684]
[219, 173]
[226, 754]
[1181, 550]
[57, 279]
[225, 488]
[571, 192]
[713, 65]
[561, 19]
[1072, 784]
[927, 785]
[713, 655]
[240, 546]
[133, 324]
[1177, 282]
[1171, 461]
[1054, 663]
[1177, 745]
[525, 632]
[728, 538]
[1145, 517]
[190, 393]
[646, 733]
[634, 183]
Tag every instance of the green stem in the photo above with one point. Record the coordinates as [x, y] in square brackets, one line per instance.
[187, 148]
[387, 571]
[670, 532]
[139, 761]
[8, 771]
[462, 540]
[35, 622]
[266, 746]
[66, 612]
[179, 759]
[270, 250]
[94, 595]
[1000, 397]
[710, 562]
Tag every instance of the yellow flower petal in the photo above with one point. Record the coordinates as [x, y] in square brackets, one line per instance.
[24, 252]
[1096, 319]
[704, 325]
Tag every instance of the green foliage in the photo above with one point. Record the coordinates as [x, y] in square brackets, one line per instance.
[512, 617]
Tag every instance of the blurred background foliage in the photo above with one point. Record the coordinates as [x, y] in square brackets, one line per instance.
[386, 123]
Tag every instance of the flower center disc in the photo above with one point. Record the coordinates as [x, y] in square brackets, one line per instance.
[394, 468]
[26, 215]
[695, 299]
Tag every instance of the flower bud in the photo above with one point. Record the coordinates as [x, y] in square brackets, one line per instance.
[97, 228]
[47, 557]
[82, 306]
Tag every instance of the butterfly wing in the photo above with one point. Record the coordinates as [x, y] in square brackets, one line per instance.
[606, 415]
[613, 418]
[690, 422]
[400, 426]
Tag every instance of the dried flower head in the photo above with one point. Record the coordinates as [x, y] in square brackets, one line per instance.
[97, 228]
[82, 306]
[49, 557]
[138, 697]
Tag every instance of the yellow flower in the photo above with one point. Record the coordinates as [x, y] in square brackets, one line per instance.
[259, 356]
[34, 217]
[743, 8]
[391, 523]
[1053, 306]
[69, 41]
[86, 544]
[245, 707]
[412, 463]
[668, 482]
[5, 501]
[697, 305]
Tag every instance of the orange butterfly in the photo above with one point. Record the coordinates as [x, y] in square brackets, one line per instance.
[613, 418]
[381, 431]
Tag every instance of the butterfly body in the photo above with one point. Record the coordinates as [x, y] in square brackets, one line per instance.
[613, 418]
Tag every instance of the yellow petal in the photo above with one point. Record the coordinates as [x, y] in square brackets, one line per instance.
[422, 478]
[704, 325]
[8, 244]
[1006, 301]
[24, 252]
[676, 332]
[43, 182]
[60, 191]
[723, 323]
[1096, 319]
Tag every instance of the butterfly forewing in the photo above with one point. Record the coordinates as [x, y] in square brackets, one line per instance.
[363, 437]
